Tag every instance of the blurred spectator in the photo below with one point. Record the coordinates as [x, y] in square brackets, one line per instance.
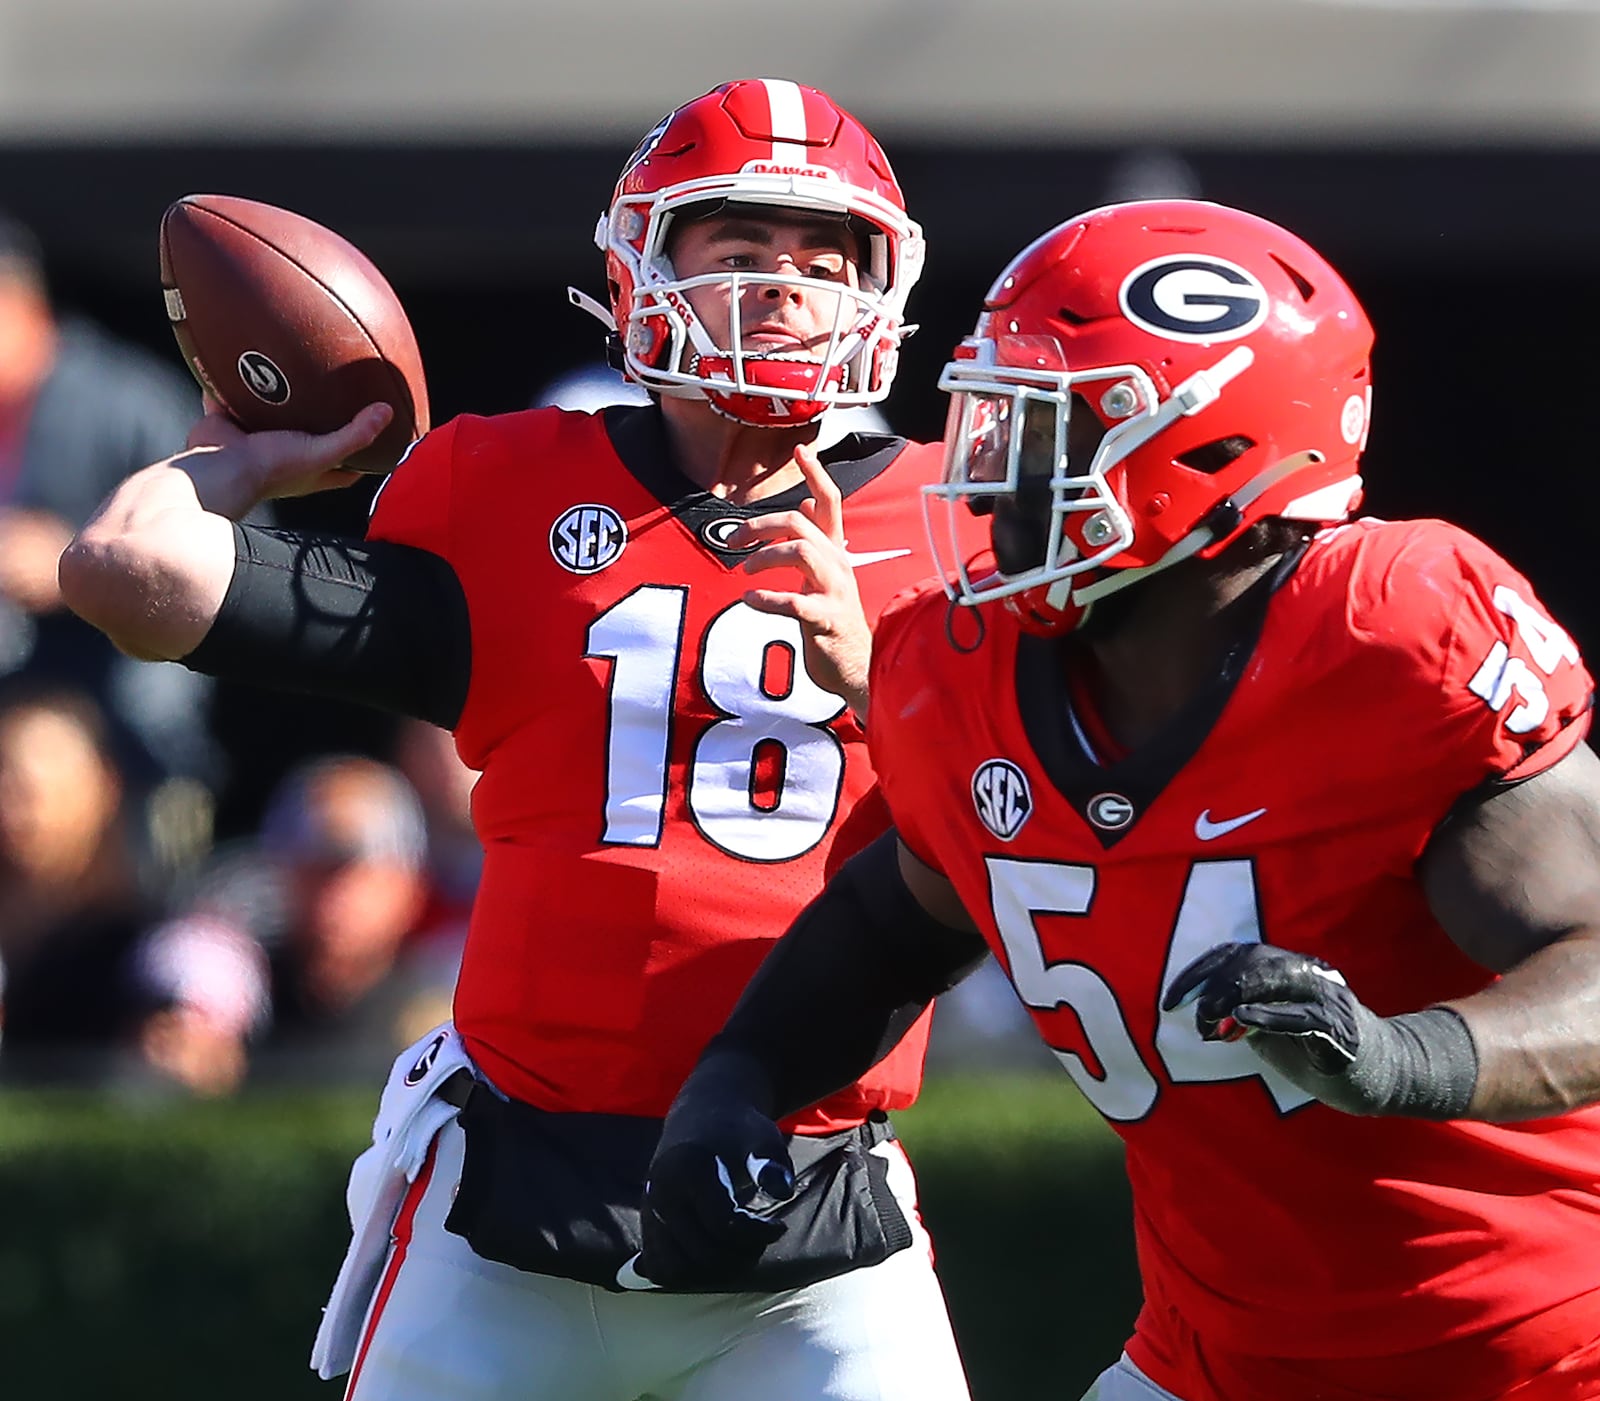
[70, 902]
[334, 889]
[979, 1025]
[79, 411]
[200, 988]
[349, 835]
[427, 756]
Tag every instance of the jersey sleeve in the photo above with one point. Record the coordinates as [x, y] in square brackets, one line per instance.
[412, 506]
[898, 674]
[1489, 688]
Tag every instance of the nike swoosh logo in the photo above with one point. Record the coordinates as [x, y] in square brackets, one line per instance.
[873, 556]
[629, 1278]
[1209, 831]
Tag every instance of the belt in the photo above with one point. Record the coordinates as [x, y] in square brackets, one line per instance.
[456, 1088]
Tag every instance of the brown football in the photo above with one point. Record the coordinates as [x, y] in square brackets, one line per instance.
[288, 325]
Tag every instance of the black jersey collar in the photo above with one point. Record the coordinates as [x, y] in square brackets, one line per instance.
[1112, 797]
[639, 437]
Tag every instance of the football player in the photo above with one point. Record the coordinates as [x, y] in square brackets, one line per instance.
[672, 756]
[1280, 819]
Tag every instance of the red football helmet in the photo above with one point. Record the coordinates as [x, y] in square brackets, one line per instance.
[761, 141]
[1223, 360]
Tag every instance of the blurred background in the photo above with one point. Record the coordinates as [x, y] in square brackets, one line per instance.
[221, 913]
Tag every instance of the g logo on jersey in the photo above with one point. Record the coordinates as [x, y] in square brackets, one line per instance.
[262, 378]
[1001, 794]
[1198, 298]
[586, 538]
[715, 533]
[1110, 811]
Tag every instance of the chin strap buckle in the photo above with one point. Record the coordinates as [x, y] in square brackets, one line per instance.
[1204, 387]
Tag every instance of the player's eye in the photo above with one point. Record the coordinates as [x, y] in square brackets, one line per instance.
[829, 268]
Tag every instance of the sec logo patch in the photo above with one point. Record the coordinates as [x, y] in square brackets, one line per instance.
[585, 539]
[1001, 794]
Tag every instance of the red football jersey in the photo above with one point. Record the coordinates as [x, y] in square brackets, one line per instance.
[1287, 1250]
[664, 786]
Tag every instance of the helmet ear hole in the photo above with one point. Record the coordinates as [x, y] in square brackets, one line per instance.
[1302, 283]
[1212, 457]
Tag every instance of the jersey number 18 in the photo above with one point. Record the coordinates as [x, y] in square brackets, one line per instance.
[763, 782]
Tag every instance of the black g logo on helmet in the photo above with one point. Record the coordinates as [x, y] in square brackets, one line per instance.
[1195, 298]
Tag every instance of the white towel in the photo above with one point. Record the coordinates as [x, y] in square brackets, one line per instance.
[409, 1116]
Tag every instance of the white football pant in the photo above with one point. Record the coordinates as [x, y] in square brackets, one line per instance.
[446, 1325]
[1122, 1381]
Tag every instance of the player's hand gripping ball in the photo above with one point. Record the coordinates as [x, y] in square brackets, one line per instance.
[287, 325]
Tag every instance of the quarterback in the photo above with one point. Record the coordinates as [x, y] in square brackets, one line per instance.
[1280, 819]
[673, 759]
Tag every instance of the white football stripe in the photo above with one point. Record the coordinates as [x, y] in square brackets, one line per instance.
[788, 108]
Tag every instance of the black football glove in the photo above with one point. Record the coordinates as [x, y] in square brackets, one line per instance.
[722, 1167]
[1302, 1019]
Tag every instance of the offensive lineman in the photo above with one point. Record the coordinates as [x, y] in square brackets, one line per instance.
[1281, 822]
[672, 761]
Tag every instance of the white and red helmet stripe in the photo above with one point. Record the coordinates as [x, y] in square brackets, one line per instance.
[786, 104]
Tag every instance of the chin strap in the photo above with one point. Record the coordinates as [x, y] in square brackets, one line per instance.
[1222, 520]
[584, 302]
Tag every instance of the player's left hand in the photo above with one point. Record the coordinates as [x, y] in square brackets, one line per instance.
[1302, 1019]
[1239, 989]
[827, 605]
[721, 1169]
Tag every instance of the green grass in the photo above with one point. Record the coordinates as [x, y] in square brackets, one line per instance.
[30, 1121]
[1023, 1191]
[984, 1114]
[151, 1248]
